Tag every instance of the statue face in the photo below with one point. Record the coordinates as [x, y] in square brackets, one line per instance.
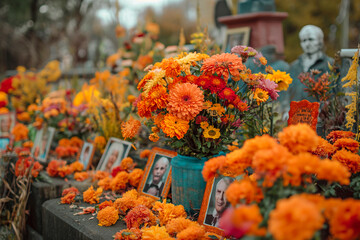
[310, 43]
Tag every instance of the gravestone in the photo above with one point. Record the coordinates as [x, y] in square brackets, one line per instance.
[304, 112]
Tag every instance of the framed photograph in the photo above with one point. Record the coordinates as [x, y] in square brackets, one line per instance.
[7, 122]
[214, 203]
[115, 151]
[157, 175]
[236, 36]
[42, 143]
[4, 141]
[86, 154]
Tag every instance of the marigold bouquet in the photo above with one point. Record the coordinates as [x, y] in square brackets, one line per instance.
[199, 101]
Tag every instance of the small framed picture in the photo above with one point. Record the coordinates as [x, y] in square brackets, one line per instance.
[157, 177]
[214, 203]
[115, 151]
[4, 141]
[236, 36]
[86, 154]
[7, 123]
[42, 143]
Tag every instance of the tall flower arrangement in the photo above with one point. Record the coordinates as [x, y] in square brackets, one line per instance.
[198, 101]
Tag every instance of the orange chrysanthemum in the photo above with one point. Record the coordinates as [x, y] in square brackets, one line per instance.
[174, 127]
[99, 175]
[77, 166]
[91, 196]
[120, 181]
[81, 176]
[128, 234]
[177, 225]
[299, 138]
[171, 66]
[335, 135]
[135, 177]
[154, 232]
[348, 159]
[168, 211]
[68, 198]
[156, 99]
[344, 219]
[130, 128]
[222, 65]
[107, 216]
[304, 216]
[105, 204]
[127, 164]
[348, 144]
[243, 191]
[20, 132]
[193, 232]
[145, 153]
[185, 101]
[140, 215]
[105, 183]
[324, 148]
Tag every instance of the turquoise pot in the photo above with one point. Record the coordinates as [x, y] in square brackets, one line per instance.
[187, 183]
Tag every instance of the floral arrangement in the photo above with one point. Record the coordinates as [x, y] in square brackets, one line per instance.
[198, 101]
[276, 191]
[68, 147]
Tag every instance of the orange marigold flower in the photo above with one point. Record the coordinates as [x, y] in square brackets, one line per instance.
[100, 142]
[20, 132]
[120, 181]
[154, 232]
[146, 201]
[154, 137]
[193, 232]
[212, 166]
[332, 171]
[335, 135]
[348, 159]
[99, 175]
[344, 219]
[53, 166]
[124, 204]
[63, 171]
[127, 164]
[81, 176]
[128, 234]
[91, 196]
[28, 144]
[145, 153]
[105, 183]
[243, 191]
[304, 216]
[171, 66]
[348, 144]
[64, 142]
[130, 128]
[177, 225]
[107, 216]
[168, 211]
[324, 148]
[68, 198]
[77, 166]
[261, 95]
[299, 138]
[76, 142]
[174, 127]
[140, 215]
[69, 190]
[222, 65]
[157, 98]
[135, 177]
[23, 117]
[185, 101]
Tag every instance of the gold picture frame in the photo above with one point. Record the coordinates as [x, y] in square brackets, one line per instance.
[235, 37]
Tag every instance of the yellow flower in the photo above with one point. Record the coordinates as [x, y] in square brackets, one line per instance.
[87, 94]
[207, 104]
[218, 108]
[352, 73]
[204, 125]
[260, 96]
[282, 79]
[212, 132]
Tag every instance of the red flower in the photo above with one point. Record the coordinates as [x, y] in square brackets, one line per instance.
[228, 94]
[216, 84]
[116, 170]
[200, 119]
[203, 81]
[6, 85]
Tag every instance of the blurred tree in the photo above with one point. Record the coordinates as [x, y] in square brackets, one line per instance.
[322, 13]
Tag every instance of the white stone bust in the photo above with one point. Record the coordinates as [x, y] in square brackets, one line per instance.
[312, 42]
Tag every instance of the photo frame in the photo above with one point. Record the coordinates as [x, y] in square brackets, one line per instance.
[236, 36]
[214, 203]
[115, 151]
[86, 154]
[4, 141]
[7, 123]
[156, 181]
[42, 143]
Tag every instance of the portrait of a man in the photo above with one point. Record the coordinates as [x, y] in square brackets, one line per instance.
[158, 175]
[7, 122]
[115, 151]
[42, 143]
[86, 154]
[217, 201]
